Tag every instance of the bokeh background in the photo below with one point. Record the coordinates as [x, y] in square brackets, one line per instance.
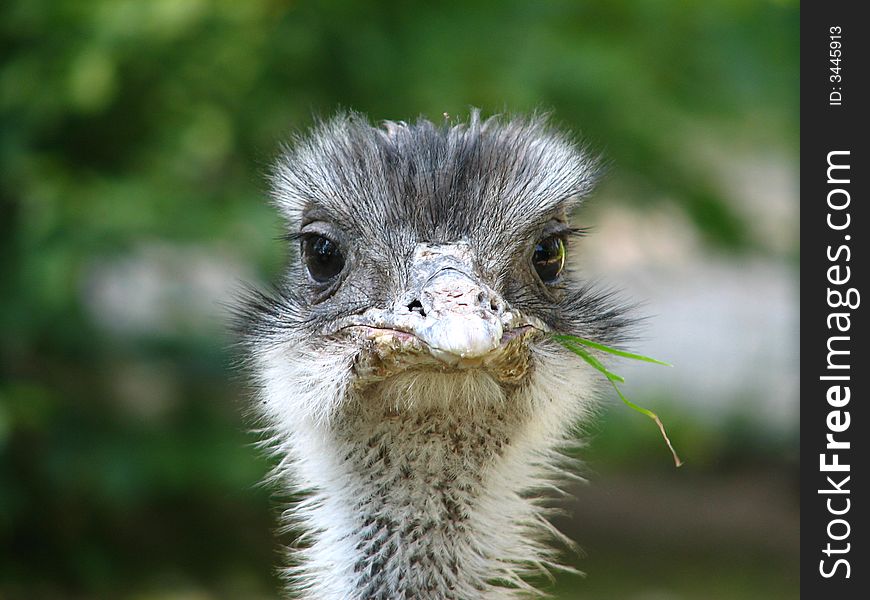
[134, 139]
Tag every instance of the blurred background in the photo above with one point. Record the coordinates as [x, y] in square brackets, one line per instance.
[134, 139]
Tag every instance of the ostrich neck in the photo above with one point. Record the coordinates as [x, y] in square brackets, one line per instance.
[424, 503]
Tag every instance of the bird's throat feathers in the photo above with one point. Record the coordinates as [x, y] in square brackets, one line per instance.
[423, 485]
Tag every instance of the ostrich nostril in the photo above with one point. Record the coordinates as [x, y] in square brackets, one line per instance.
[484, 299]
[417, 307]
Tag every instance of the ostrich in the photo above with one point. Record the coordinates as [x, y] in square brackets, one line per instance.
[404, 366]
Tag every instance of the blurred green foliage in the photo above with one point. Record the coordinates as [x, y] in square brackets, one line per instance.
[125, 469]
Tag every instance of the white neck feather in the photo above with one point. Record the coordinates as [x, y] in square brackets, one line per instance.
[425, 486]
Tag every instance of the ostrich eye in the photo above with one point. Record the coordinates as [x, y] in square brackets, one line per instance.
[322, 257]
[549, 258]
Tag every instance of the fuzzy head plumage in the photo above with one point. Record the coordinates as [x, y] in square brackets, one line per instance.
[405, 371]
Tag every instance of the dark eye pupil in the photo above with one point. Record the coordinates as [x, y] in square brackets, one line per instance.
[322, 257]
[549, 258]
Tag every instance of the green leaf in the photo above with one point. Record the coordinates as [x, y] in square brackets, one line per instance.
[574, 344]
[573, 339]
[594, 362]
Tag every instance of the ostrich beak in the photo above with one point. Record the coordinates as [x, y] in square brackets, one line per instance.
[451, 310]
[447, 313]
[461, 318]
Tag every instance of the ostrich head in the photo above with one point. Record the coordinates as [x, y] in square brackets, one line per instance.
[404, 364]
